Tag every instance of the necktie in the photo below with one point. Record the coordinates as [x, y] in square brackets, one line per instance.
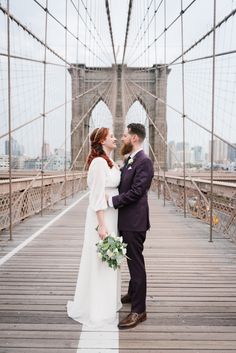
[127, 161]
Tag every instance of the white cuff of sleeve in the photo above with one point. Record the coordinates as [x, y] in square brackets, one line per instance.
[110, 203]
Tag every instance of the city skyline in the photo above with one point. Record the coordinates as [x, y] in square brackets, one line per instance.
[54, 158]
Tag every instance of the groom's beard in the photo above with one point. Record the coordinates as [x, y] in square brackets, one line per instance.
[126, 148]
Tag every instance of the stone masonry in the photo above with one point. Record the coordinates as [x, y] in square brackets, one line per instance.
[115, 87]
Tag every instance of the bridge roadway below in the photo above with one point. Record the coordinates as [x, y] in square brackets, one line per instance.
[191, 301]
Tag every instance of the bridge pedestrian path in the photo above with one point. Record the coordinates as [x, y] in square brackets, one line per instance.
[191, 301]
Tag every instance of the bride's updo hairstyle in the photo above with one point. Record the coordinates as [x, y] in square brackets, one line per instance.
[96, 139]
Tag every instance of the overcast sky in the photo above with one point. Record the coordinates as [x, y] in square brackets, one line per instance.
[27, 77]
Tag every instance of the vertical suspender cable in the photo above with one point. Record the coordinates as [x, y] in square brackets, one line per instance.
[65, 166]
[212, 115]
[44, 103]
[9, 117]
[76, 84]
[165, 68]
[84, 79]
[158, 169]
[183, 105]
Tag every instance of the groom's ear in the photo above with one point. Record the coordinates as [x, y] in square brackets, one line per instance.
[135, 137]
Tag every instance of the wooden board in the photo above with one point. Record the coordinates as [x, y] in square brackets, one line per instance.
[191, 301]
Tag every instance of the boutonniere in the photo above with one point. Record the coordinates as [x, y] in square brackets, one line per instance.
[130, 161]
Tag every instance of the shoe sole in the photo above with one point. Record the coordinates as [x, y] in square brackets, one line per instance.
[134, 325]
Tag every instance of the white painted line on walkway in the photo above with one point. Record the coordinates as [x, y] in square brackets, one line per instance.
[36, 234]
[101, 340]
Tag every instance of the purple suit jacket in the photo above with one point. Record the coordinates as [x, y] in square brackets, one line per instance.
[132, 202]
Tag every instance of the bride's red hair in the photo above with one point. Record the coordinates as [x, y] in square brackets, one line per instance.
[96, 138]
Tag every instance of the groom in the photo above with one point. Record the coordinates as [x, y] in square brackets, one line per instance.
[133, 218]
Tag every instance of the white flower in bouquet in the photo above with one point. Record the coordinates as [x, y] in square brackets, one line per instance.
[110, 253]
[112, 250]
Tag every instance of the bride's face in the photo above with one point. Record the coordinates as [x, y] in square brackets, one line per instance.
[110, 141]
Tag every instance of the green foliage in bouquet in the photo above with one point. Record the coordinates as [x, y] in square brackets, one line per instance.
[112, 250]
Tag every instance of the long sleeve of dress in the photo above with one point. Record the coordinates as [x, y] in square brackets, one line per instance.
[96, 183]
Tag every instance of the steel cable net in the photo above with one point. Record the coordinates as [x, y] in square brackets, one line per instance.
[179, 35]
[176, 44]
[45, 42]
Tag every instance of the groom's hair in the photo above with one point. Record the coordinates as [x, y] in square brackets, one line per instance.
[137, 129]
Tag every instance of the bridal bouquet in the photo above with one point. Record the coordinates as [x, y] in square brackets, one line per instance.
[112, 250]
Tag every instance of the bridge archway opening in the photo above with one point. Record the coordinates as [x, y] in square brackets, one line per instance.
[138, 114]
[100, 117]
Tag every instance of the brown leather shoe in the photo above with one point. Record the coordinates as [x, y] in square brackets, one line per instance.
[132, 320]
[126, 299]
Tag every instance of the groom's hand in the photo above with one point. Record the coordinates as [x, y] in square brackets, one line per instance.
[109, 200]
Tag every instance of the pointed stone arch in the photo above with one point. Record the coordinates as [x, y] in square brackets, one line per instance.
[97, 121]
[84, 78]
[137, 114]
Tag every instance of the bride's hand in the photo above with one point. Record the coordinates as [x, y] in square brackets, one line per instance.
[102, 231]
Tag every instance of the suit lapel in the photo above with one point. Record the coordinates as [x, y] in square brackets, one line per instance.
[135, 159]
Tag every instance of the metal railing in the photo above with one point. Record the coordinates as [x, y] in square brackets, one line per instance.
[51, 192]
[198, 197]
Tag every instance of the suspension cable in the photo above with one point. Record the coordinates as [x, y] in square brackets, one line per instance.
[13, 18]
[50, 159]
[127, 28]
[180, 113]
[55, 108]
[164, 140]
[142, 23]
[95, 27]
[162, 33]
[110, 29]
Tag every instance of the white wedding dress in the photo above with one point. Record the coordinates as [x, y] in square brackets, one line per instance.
[97, 294]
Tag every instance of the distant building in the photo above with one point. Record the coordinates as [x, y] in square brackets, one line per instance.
[4, 162]
[180, 156]
[46, 150]
[16, 148]
[33, 163]
[180, 146]
[59, 152]
[197, 155]
[19, 162]
[57, 160]
[232, 153]
[171, 151]
[220, 151]
[180, 153]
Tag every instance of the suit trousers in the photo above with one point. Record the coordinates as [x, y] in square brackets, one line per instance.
[137, 285]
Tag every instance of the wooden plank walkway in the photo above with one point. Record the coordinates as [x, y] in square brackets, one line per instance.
[191, 300]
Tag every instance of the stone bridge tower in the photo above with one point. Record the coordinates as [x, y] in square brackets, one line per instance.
[112, 84]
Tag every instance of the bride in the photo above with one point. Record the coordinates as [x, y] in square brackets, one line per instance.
[97, 294]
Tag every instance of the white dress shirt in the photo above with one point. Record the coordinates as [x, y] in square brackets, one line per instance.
[110, 203]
